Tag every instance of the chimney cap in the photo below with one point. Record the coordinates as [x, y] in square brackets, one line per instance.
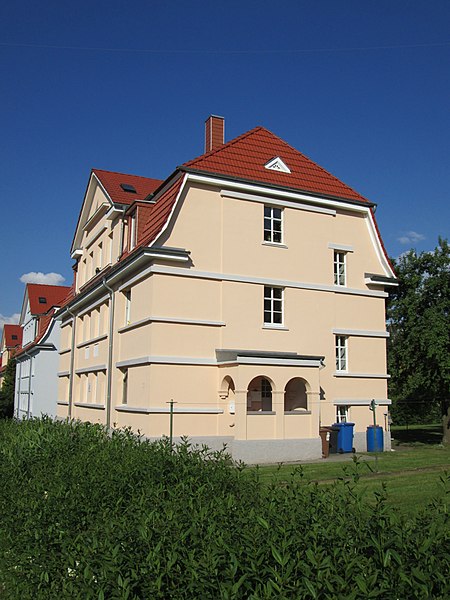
[215, 117]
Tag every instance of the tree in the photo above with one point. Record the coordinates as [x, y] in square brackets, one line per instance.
[8, 389]
[419, 324]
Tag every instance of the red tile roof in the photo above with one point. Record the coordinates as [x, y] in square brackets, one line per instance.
[10, 330]
[53, 295]
[157, 217]
[245, 157]
[111, 182]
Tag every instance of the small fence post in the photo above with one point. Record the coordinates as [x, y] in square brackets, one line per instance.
[171, 423]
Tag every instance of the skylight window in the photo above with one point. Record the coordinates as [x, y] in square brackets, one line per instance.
[127, 187]
[14, 337]
[42, 300]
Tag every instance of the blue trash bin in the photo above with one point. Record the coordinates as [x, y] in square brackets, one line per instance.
[345, 436]
[375, 443]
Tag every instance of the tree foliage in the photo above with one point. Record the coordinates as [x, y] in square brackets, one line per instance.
[7, 391]
[419, 325]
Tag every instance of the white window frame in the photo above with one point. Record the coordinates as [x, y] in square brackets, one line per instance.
[133, 230]
[340, 268]
[127, 294]
[271, 302]
[341, 353]
[342, 413]
[270, 219]
[125, 387]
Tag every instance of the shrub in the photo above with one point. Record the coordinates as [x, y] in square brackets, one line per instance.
[92, 515]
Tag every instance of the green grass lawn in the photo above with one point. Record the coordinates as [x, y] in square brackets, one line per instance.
[411, 472]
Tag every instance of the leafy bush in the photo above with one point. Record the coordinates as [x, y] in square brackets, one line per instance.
[92, 515]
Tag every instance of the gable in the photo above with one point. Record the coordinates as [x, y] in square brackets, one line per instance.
[260, 156]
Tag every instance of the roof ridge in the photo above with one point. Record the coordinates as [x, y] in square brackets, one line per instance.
[49, 285]
[126, 174]
[227, 145]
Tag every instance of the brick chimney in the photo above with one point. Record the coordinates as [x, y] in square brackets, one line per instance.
[214, 132]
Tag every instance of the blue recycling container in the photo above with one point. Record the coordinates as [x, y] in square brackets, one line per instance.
[345, 436]
[375, 443]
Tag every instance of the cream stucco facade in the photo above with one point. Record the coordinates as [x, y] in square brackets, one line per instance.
[258, 342]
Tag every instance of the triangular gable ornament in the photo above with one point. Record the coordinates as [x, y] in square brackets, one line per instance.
[277, 164]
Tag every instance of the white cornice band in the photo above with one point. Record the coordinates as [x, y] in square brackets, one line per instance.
[361, 375]
[264, 281]
[361, 402]
[270, 199]
[361, 333]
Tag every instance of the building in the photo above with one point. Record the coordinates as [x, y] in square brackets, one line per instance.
[10, 344]
[248, 287]
[37, 361]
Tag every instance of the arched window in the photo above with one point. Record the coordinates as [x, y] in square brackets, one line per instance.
[295, 396]
[259, 395]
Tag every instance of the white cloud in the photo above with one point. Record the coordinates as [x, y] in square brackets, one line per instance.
[411, 237]
[12, 319]
[47, 278]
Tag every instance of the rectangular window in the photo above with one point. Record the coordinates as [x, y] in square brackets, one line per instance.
[341, 353]
[339, 268]
[133, 231]
[273, 224]
[273, 305]
[125, 387]
[127, 295]
[341, 414]
[100, 257]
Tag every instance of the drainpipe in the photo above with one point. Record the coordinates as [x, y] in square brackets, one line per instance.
[72, 363]
[110, 354]
[17, 388]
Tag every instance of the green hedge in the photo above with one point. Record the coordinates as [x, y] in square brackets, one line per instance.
[89, 515]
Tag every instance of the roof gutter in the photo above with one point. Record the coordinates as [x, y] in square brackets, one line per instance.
[270, 186]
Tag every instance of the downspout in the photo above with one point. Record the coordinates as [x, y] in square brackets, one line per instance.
[72, 363]
[110, 353]
[18, 385]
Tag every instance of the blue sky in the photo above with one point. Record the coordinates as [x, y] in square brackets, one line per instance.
[361, 87]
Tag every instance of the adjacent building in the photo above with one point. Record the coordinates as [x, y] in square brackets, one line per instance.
[37, 360]
[248, 288]
[10, 344]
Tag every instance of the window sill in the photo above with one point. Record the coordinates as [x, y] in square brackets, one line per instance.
[89, 405]
[132, 409]
[261, 412]
[297, 412]
[99, 338]
[275, 244]
[276, 327]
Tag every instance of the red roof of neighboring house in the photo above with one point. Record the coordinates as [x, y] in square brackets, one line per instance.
[9, 331]
[43, 297]
[245, 157]
[111, 182]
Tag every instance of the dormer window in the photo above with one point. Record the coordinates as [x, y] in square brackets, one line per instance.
[42, 300]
